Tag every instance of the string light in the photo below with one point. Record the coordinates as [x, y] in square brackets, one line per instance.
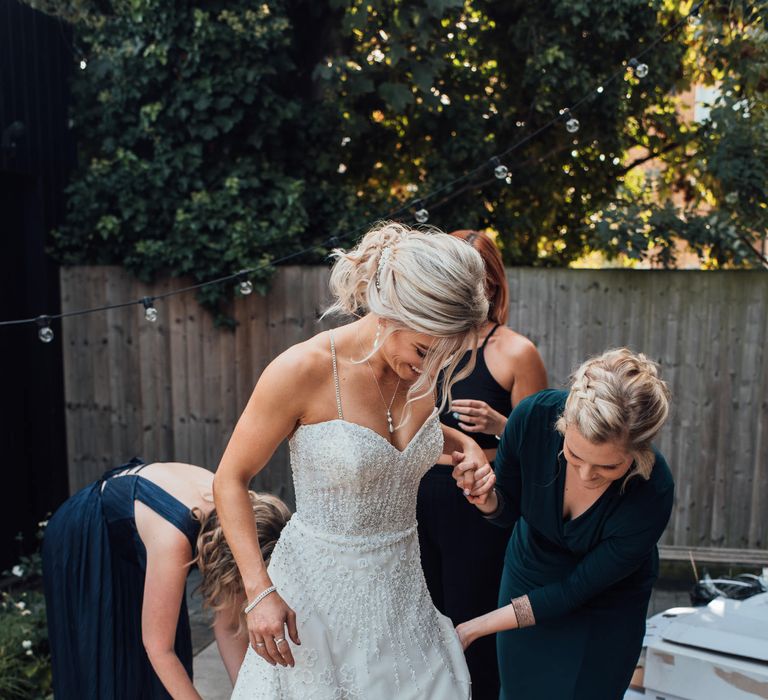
[245, 284]
[693, 16]
[500, 170]
[421, 215]
[571, 123]
[639, 69]
[44, 330]
[150, 312]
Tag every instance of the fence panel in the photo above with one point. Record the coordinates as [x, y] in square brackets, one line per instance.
[173, 390]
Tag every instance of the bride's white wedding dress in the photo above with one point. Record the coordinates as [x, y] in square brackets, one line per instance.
[348, 564]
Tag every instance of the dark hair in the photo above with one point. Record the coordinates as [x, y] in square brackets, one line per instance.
[496, 287]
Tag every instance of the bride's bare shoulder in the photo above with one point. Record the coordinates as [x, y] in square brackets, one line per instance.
[306, 362]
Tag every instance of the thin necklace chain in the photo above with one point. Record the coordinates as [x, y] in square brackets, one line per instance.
[388, 407]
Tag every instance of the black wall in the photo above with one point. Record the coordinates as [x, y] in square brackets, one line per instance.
[35, 64]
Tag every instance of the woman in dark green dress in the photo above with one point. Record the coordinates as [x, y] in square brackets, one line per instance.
[589, 498]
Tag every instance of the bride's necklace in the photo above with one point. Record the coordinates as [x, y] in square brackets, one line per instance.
[387, 406]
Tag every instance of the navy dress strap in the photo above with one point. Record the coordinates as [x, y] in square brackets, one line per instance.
[168, 507]
[133, 465]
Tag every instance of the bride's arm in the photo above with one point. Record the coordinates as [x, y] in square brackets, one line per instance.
[271, 415]
[462, 448]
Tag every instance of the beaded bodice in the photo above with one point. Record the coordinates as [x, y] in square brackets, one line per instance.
[350, 480]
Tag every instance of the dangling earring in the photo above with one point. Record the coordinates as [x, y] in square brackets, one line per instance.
[376, 338]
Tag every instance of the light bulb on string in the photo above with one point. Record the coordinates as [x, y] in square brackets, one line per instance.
[500, 170]
[421, 215]
[245, 285]
[44, 330]
[639, 69]
[150, 312]
[571, 123]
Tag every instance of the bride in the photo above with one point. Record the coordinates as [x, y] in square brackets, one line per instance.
[343, 610]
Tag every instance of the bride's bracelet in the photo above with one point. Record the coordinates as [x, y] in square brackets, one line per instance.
[258, 599]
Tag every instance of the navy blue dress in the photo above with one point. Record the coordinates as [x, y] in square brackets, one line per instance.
[93, 574]
[588, 579]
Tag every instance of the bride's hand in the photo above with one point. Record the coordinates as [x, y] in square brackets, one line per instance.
[266, 630]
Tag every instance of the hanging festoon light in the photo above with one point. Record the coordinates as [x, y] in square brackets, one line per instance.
[421, 214]
[44, 330]
[244, 284]
[693, 16]
[150, 312]
[571, 123]
[500, 170]
[639, 69]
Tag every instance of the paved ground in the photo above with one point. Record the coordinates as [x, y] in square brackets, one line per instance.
[211, 679]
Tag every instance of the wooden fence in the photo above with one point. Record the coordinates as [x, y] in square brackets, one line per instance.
[173, 390]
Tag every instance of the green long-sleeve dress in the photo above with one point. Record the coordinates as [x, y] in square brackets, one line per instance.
[588, 580]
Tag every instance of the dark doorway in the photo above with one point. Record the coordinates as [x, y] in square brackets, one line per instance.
[36, 155]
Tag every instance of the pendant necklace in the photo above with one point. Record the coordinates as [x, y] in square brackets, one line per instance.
[388, 407]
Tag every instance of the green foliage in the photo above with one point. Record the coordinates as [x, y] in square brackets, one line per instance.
[25, 663]
[184, 115]
[473, 78]
[215, 136]
[709, 186]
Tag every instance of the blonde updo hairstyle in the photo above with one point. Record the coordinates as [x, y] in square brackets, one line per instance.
[221, 586]
[417, 280]
[618, 396]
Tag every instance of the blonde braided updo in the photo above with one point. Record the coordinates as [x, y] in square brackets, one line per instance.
[618, 396]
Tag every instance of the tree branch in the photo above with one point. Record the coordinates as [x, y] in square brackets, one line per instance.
[669, 147]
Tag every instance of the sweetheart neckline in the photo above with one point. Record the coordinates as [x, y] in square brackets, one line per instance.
[372, 431]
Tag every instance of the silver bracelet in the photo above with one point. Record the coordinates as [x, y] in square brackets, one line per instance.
[258, 599]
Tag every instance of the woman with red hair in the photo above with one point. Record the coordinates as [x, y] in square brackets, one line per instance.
[461, 553]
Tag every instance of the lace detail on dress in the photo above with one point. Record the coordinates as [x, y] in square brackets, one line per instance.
[348, 563]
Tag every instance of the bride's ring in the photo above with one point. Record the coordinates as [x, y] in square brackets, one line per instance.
[260, 644]
[279, 640]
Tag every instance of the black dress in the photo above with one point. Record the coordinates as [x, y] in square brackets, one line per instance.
[461, 553]
[93, 574]
[588, 579]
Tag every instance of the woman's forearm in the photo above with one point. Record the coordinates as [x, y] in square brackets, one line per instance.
[456, 441]
[233, 506]
[173, 675]
[490, 623]
[232, 646]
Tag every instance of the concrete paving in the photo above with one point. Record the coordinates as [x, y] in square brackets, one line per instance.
[211, 679]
